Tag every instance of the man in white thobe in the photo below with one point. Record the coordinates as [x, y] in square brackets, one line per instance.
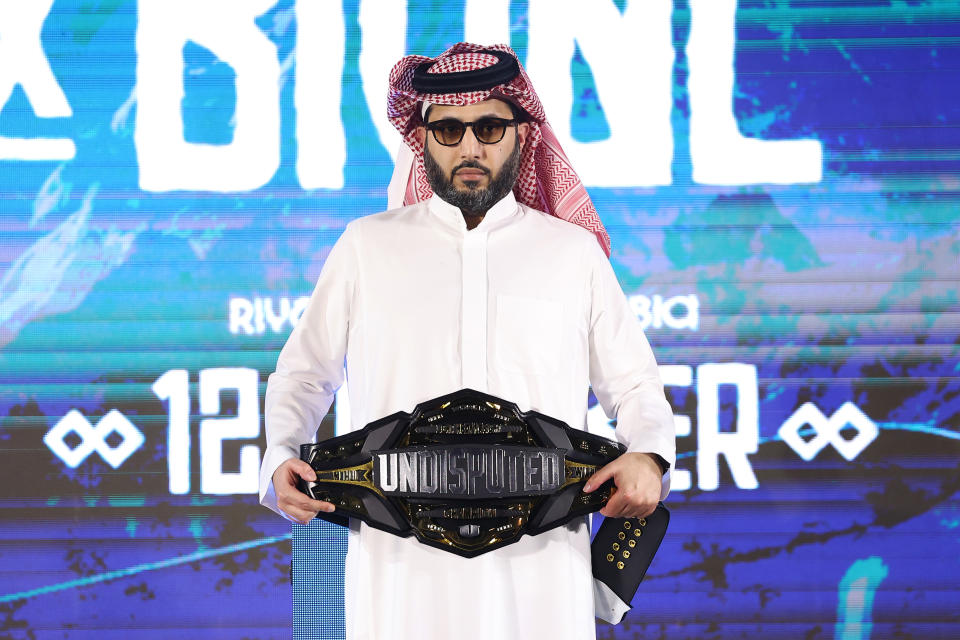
[471, 286]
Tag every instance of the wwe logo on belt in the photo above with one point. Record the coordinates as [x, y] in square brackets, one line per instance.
[469, 471]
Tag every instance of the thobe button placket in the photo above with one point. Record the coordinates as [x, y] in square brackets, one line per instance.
[473, 340]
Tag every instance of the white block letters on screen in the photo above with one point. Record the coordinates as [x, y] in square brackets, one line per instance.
[383, 41]
[630, 54]
[321, 143]
[486, 22]
[720, 153]
[227, 28]
[23, 62]
[213, 431]
[174, 387]
[734, 446]
[631, 57]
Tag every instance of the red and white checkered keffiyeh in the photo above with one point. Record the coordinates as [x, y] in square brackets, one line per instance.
[546, 181]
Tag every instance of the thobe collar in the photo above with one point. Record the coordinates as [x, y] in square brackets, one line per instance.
[498, 214]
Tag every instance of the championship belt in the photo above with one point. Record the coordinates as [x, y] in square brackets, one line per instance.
[469, 473]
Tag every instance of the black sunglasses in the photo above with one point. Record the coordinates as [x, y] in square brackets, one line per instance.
[449, 132]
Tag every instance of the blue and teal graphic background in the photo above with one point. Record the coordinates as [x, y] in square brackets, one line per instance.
[835, 292]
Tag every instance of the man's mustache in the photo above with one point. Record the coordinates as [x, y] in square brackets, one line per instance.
[469, 164]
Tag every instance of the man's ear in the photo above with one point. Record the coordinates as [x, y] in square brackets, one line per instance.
[523, 129]
[421, 134]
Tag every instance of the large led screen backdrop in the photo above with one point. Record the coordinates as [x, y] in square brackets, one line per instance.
[781, 182]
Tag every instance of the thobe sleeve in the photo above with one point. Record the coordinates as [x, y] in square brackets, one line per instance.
[625, 379]
[311, 365]
[623, 370]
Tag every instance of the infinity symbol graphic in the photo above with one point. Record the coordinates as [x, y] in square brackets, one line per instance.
[828, 431]
[93, 438]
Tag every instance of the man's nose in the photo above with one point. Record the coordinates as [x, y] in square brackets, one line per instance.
[470, 147]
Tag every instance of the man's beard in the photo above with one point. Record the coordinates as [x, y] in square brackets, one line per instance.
[473, 200]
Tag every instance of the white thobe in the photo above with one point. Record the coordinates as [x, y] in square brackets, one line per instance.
[525, 307]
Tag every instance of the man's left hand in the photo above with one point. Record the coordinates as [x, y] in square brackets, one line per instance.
[637, 477]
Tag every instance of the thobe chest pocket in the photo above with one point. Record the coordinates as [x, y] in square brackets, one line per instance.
[528, 334]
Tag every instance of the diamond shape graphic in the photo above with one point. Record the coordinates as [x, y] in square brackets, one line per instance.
[132, 438]
[867, 430]
[74, 422]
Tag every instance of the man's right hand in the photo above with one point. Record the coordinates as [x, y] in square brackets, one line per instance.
[290, 500]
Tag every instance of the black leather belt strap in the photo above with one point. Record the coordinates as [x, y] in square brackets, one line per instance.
[623, 549]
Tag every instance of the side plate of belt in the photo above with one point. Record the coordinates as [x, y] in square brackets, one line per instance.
[469, 473]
